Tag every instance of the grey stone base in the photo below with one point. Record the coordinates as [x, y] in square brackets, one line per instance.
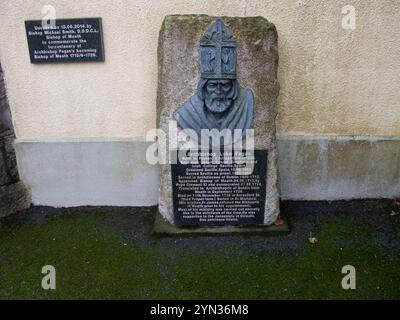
[93, 172]
[13, 198]
[339, 167]
[62, 173]
[164, 227]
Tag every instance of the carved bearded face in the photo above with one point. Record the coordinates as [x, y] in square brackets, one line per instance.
[218, 94]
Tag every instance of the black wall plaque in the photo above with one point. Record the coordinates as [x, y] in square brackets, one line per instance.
[212, 194]
[70, 40]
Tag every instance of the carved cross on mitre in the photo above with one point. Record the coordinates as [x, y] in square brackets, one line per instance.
[218, 53]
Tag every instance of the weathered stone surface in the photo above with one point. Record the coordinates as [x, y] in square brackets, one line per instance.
[5, 115]
[13, 194]
[10, 157]
[13, 198]
[8, 164]
[178, 74]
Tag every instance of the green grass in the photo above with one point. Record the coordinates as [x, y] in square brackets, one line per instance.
[94, 261]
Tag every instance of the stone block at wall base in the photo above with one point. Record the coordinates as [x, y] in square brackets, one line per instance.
[92, 172]
[13, 198]
[74, 173]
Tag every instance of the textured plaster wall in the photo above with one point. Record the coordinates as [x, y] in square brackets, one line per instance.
[333, 81]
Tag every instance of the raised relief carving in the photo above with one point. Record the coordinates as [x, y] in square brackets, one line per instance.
[220, 103]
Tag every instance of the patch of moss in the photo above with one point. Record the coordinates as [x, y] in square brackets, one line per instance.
[97, 262]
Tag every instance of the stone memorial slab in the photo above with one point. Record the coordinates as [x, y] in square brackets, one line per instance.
[218, 74]
[69, 40]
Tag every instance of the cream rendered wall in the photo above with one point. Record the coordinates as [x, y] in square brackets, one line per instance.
[333, 81]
